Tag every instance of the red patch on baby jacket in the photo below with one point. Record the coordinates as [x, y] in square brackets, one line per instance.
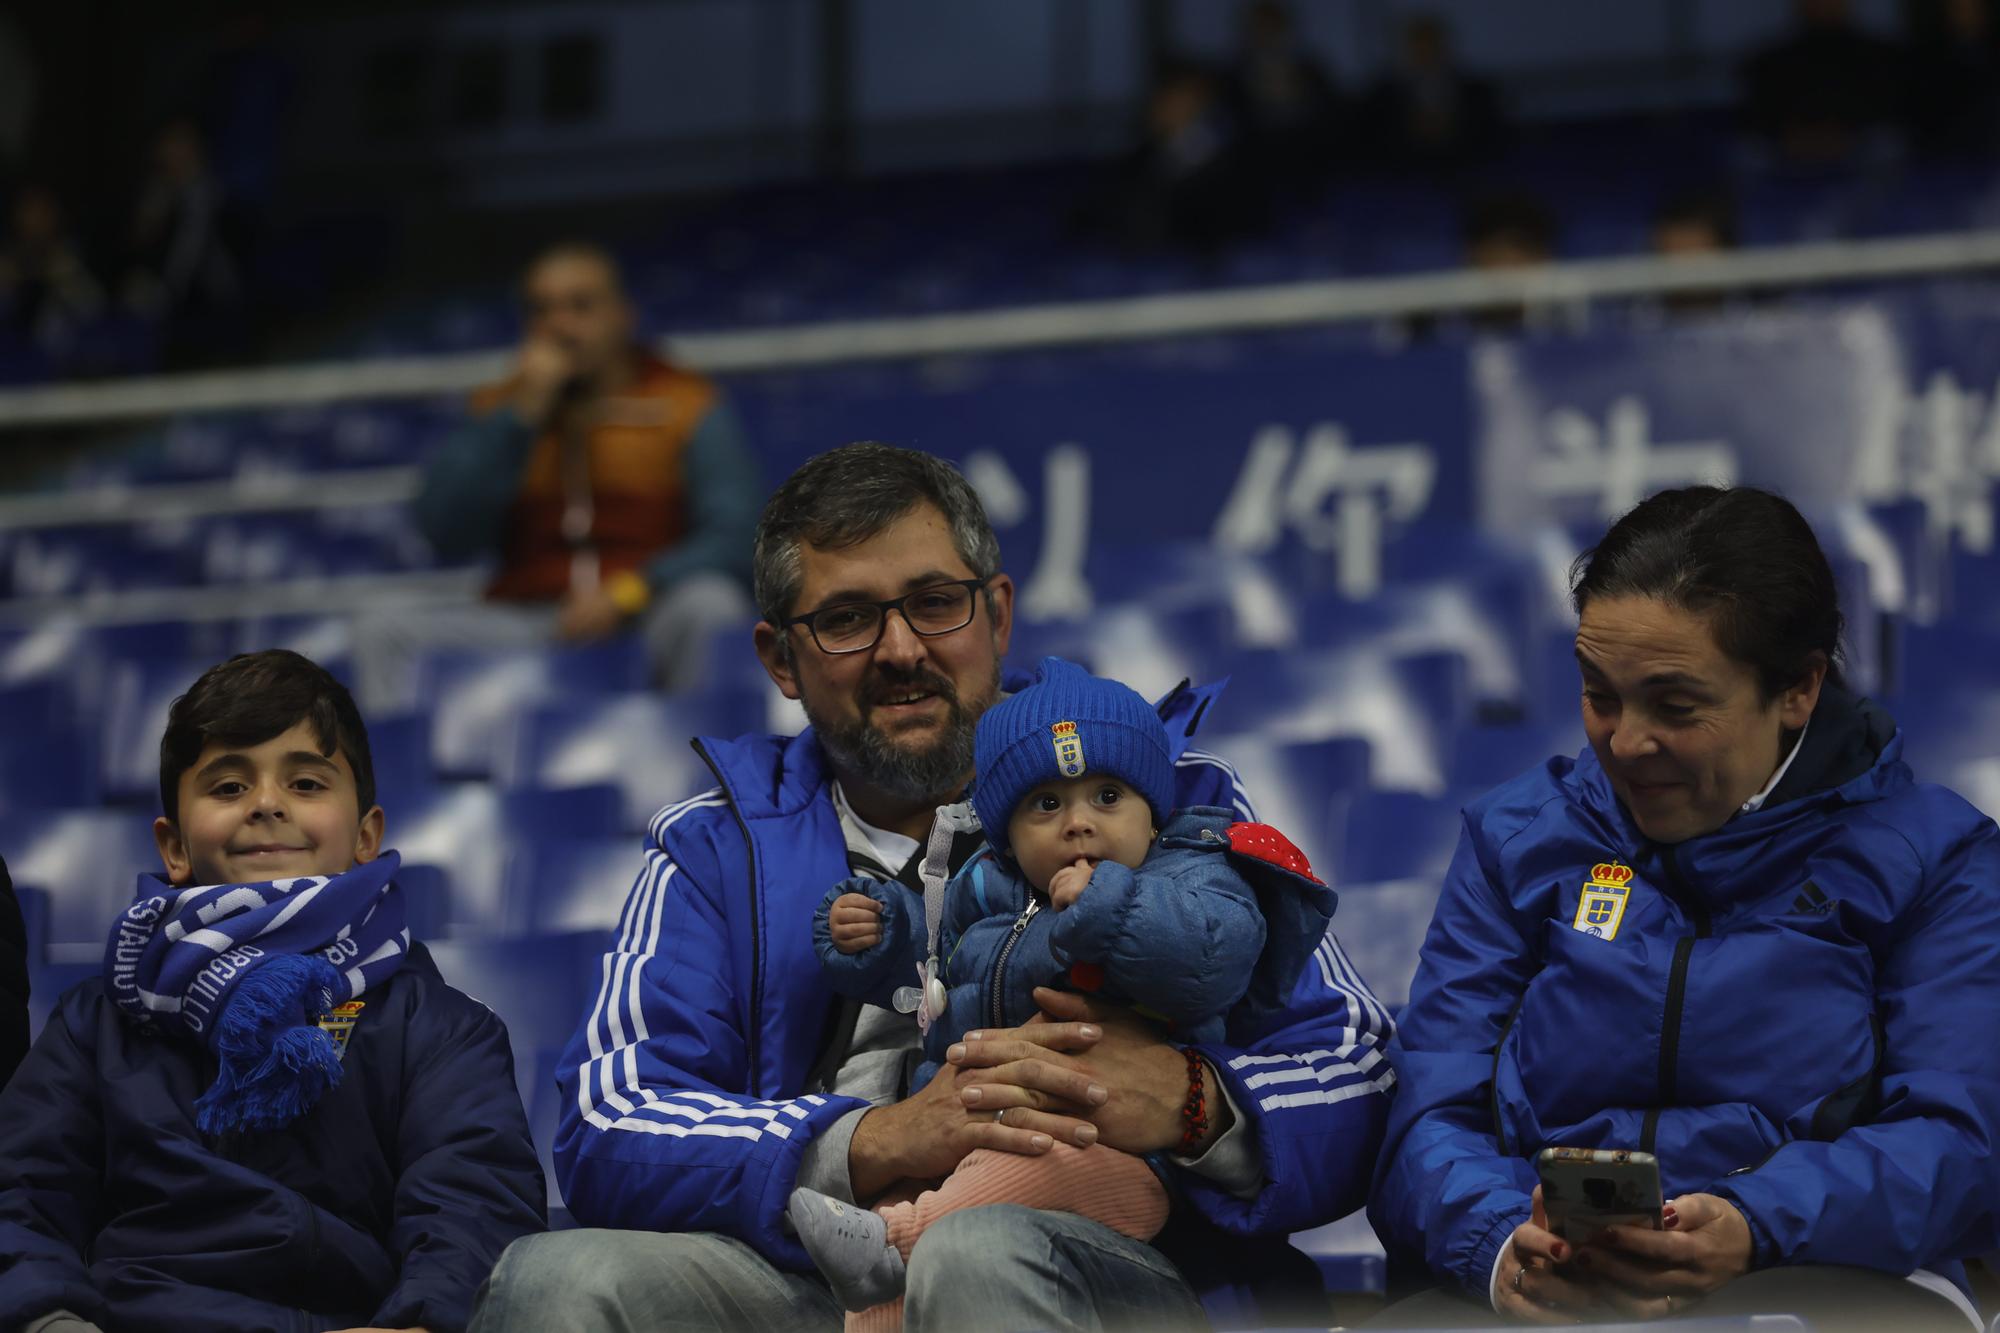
[1263, 843]
[1087, 977]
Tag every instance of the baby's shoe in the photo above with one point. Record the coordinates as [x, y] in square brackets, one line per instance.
[851, 1246]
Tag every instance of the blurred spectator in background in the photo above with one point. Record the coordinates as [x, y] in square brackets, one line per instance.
[615, 488]
[1953, 106]
[1502, 232]
[1823, 93]
[1428, 113]
[13, 980]
[185, 270]
[1695, 222]
[1287, 103]
[46, 292]
[1188, 184]
[1508, 231]
[1692, 223]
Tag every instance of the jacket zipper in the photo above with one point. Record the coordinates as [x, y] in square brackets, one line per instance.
[755, 1036]
[1670, 1027]
[997, 1013]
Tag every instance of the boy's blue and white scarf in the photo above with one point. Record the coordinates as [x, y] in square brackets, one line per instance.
[249, 970]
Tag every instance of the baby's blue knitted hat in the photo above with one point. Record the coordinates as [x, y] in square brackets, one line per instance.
[1068, 723]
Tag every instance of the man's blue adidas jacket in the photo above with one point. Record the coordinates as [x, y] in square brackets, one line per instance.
[1799, 1012]
[684, 1092]
[385, 1205]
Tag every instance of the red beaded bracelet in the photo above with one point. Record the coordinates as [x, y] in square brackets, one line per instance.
[1194, 1111]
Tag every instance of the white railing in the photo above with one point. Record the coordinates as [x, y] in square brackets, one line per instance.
[1121, 319]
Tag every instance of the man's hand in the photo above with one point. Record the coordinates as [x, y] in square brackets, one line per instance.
[1069, 883]
[588, 614]
[1538, 1282]
[1705, 1245]
[927, 1134]
[541, 371]
[1085, 1058]
[855, 922]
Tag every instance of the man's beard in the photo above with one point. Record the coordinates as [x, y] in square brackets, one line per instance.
[933, 773]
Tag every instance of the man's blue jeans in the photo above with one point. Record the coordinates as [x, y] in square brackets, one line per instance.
[1002, 1267]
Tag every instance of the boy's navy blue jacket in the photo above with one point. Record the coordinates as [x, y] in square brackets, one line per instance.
[386, 1205]
[1796, 1012]
[1183, 937]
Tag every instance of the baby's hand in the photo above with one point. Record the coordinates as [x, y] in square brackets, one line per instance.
[1069, 883]
[854, 922]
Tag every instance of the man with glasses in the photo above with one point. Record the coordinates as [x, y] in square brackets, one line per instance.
[716, 1070]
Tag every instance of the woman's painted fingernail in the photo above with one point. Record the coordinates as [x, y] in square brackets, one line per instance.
[1086, 1135]
[956, 1053]
[1096, 1095]
[1559, 1250]
[1041, 1143]
[972, 1096]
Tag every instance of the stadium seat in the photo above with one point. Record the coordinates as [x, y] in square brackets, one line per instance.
[87, 861]
[1381, 927]
[1390, 835]
[475, 696]
[569, 883]
[1295, 786]
[541, 988]
[641, 743]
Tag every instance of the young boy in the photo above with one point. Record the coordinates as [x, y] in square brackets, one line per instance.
[270, 1112]
[1089, 881]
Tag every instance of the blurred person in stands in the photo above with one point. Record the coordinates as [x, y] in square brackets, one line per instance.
[615, 488]
[1826, 91]
[13, 980]
[1188, 184]
[1735, 932]
[718, 1071]
[1504, 232]
[1428, 113]
[1288, 105]
[1953, 99]
[1689, 225]
[47, 293]
[269, 1110]
[186, 271]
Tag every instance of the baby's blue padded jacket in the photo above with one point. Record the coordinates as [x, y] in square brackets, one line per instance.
[1797, 1012]
[1184, 936]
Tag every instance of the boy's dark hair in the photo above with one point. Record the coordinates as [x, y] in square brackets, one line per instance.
[253, 697]
[1744, 556]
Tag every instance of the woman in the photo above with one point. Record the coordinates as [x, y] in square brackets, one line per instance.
[1796, 1008]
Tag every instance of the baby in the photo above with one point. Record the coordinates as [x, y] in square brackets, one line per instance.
[1091, 882]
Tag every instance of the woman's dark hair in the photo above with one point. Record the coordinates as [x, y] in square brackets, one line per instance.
[253, 697]
[1743, 557]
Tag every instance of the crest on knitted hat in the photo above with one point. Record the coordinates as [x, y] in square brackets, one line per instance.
[1069, 749]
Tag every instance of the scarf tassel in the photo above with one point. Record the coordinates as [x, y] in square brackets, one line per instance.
[276, 1063]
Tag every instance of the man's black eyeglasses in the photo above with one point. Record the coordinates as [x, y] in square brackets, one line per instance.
[855, 627]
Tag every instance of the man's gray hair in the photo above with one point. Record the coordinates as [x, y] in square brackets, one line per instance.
[850, 494]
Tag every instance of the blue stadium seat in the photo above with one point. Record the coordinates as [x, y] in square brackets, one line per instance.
[475, 696]
[569, 883]
[1381, 927]
[639, 742]
[48, 752]
[1295, 786]
[542, 989]
[1484, 757]
[34, 904]
[88, 862]
[1389, 835]
[455, 827]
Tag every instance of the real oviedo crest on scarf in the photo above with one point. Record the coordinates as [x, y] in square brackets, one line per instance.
[1069, 749]
[1602, 906]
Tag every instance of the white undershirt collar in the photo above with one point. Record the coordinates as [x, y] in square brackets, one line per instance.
[1756, 803]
